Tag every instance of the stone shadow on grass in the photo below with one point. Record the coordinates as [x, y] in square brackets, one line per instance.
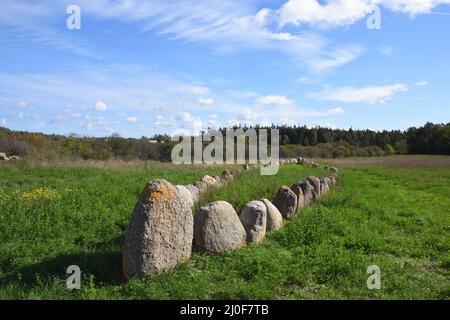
[104, 262]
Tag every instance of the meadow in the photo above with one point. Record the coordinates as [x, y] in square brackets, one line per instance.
[56, 215]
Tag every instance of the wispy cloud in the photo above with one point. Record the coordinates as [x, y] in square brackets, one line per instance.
[223, 25]
[206, 102]
[370, 94]
[421, 83]
[274, 100]
[37, 22]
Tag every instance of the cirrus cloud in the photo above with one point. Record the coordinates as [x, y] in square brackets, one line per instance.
[370, 94]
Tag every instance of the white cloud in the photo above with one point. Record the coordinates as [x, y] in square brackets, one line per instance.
[90, 122]
[206, 102]
[100, 106]
[284, 36]
[225, 25]
[274, 100]
[132, 119]
[371, 94]
[281, 115]
[421, 83]
[213, 121]
[263, 16]
[335, 58]
[411, 7]
[64, 118]
[3, 122]
[192, 123]
[335, 13]
[332, 14]
[23, 104]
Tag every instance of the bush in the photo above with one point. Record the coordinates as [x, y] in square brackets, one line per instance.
[375, 151]
[389, 150]
[13, 146]
[341, 152]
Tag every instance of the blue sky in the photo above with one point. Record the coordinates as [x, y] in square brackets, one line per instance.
[144, 67]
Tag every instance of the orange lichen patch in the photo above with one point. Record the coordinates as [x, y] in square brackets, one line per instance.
[159, 190]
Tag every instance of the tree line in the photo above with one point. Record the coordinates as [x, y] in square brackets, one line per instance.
[294, 140]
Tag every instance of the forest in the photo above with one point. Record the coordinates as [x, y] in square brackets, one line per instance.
[320, 142]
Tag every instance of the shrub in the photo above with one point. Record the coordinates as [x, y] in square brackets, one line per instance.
[389, 150]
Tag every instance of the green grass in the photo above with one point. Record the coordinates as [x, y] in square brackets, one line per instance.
[397, 219]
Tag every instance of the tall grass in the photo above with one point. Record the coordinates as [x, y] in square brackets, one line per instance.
[395, 218]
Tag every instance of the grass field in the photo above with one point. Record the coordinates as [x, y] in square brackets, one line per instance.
[53, 216]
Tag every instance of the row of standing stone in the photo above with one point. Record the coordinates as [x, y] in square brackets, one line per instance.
[163, 232]
[160, 232]
[218, 228]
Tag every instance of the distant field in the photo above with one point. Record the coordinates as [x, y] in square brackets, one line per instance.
[404, 161]
[53, 216]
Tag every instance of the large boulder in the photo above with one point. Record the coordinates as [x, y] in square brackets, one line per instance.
[286, 202]
[217, 228]
[324, 187]
[329, 183]
[202, 187]
[210, 181]
[333, 180]
[160, 232]
[274, 217]
[309, 194]
[218, 180]
[254, 219]
[297, 189]
[315, 182]
[186, 195]
[195, 193]
[227, 175]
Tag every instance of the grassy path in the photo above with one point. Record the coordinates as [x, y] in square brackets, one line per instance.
[397, 219]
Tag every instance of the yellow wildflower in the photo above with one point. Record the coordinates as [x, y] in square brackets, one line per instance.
[42, 193]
